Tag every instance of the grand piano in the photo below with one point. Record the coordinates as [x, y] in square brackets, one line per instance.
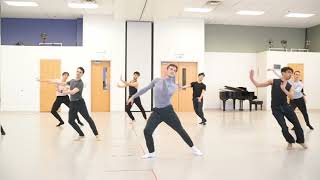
[236, 93]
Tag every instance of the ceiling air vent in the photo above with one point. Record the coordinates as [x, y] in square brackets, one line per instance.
[213, 3]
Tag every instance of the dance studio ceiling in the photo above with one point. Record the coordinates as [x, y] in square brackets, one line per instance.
[224, 13]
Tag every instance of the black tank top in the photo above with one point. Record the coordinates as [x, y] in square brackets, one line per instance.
[278, 97]
[132, 90]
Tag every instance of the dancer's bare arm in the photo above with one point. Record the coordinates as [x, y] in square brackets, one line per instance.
[259, 84]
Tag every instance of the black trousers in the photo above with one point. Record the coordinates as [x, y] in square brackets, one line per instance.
[80, 106]
[56, 105]
[167, 115]
[136, 101]
[2, 130]
[281, 111]
[301, 104]
[198, 108]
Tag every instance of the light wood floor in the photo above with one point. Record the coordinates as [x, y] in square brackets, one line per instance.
[236, 146]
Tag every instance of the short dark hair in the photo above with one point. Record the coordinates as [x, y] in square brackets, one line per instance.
[201, 74]
[285, 69]
[81, 68]
[64, 73]
[137, 73]
[296, 72]
[172, 65]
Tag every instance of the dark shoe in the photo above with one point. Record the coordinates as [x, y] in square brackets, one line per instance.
[311, 128]
[203, 123]
[60, 124]
[3, 132]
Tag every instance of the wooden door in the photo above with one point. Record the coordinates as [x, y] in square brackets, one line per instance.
[100, 86]
[187, 74]
[49, 69]
[298, 67]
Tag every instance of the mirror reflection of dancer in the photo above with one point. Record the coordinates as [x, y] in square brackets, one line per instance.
[61, 97]
[280, 107]
[163, 88]
[133, 88]
[298, 99]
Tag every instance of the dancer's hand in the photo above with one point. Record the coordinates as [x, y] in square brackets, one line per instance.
[199, 99]
[130, 101]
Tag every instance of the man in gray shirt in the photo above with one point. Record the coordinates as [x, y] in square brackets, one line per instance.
[78, 105]
[163, 89]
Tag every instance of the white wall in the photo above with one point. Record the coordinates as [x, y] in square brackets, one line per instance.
[311, 64]
[178, 40]
[139, 48]
[103, 39]
[231, 69]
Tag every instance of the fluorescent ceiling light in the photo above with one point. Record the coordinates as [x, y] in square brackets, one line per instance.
[250, 13]
[198, 10]
[83, 5]
[22, 3]
[299, 15]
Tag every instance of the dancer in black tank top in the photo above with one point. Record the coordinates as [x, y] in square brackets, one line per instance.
[133, 85]
[280, 107]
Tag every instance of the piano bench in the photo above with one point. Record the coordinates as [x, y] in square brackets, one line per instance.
[256, 103]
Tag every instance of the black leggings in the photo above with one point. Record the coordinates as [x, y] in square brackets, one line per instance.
[167, 115]
[2, 130]
[198, 108]
[80, 106]
[301, 104]
[136, 101]
[281, 111]
[56, 105]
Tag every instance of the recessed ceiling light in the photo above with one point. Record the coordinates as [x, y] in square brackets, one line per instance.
[198, 10]
[250, 13]
[22, 3]
[83, 5]
[299, 15]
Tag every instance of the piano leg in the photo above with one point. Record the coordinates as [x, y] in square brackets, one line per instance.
[241, 105]
[234, 104]
[224, 105]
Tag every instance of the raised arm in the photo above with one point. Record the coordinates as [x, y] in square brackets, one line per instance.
[132, 84]
[185, 86]
[259, 84]
[275, 72]
[72, 92]
[143, 90]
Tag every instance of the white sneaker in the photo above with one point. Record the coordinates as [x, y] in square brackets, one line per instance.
[303, 145]
[79, 138]
[149, 155]
[196, 151]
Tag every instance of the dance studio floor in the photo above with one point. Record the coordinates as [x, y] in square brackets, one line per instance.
[236, 146]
